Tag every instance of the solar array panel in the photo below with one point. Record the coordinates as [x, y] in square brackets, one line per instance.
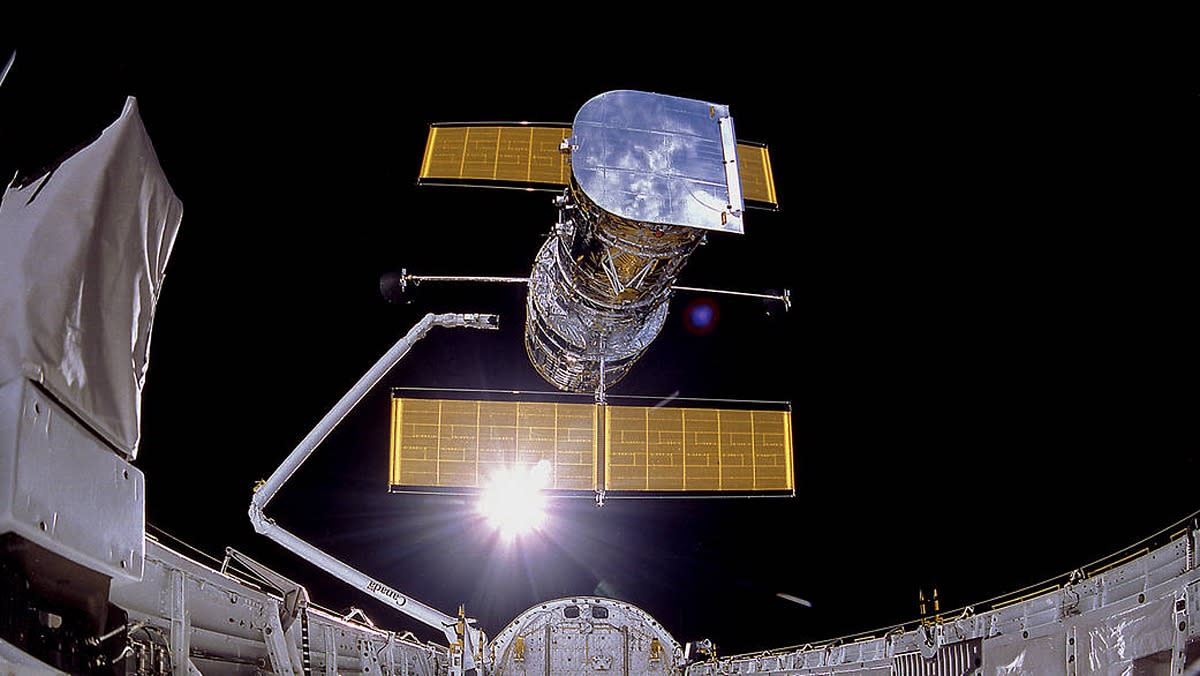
[697, 449]
[515, 154]
[458, 444]
[754, 165]
[450, 443]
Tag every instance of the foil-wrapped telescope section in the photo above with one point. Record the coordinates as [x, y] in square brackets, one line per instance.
[650, 174]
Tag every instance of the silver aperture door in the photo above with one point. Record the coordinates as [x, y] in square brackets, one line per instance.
[659, 159]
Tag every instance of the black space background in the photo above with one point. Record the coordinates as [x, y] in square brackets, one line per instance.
[986, 355]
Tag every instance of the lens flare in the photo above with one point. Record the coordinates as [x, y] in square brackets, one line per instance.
[701, 315]
[512, 500]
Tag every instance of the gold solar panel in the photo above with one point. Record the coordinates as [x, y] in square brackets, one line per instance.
[517, 154]
[754, 165]
[458, 444]
[448, 443]
[528, 154]
[697, 449]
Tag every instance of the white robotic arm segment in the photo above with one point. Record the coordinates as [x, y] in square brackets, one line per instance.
[465, 640]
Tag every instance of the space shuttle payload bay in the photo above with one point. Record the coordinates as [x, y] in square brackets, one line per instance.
[85, 590]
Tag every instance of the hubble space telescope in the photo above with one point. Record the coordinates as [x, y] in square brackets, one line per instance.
[642, 180]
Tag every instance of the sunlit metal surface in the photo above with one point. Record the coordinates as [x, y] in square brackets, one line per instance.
[449, 443]
[584, 635]
[590, 301]
[697, 449]
[1133, 615]
[758, 182]
[502, 153]
[234, 629]
[658, 159]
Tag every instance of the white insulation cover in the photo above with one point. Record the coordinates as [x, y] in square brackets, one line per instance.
[82, 255]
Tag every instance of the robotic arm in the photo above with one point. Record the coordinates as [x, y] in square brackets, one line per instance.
[465, 641]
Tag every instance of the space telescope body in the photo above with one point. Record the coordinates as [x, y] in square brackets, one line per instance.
[649, 175]
[84, 589]
[645, 177]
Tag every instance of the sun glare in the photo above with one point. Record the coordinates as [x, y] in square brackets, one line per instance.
[512, 500]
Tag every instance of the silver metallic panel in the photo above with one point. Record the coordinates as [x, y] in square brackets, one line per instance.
[63, 489]
[584, 635]
[566, 336]
[659, 159]
[954, 659]
[1111, 644]
[225, 623]
[1126, 617]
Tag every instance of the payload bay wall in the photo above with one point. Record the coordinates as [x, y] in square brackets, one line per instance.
[224, 626]
[81, 585]
[1138, 616]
